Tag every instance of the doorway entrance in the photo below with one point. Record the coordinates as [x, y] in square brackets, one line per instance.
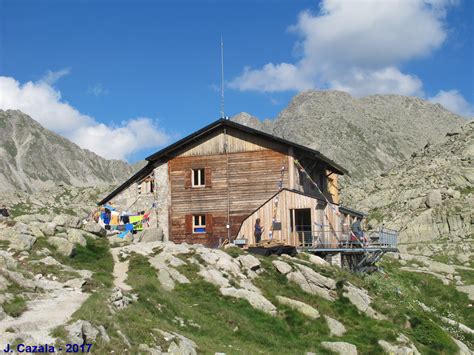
[300, 226]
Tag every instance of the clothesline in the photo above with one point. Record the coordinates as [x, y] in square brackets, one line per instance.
[334, 207]
[145, 219]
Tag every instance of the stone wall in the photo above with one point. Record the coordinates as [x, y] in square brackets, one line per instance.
[162, 198]
[130, 201]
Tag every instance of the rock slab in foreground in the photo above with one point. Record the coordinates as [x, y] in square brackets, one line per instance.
[255, 299]
[299, 306]
[340, 347]
[336, 328]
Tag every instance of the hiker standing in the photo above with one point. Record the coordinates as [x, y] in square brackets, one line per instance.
[258, 231]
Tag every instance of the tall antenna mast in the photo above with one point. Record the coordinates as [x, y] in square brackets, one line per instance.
[222, 78]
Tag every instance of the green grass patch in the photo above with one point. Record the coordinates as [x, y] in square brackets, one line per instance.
[432, 338]
[467, 276]
[375, 214]
[20, 209]
[443, 258]
[222, 321]
[466, 190]
[273, 283]
[234, 251]
[15, 307]
[56, 270]
[397, 294]
[96, 257]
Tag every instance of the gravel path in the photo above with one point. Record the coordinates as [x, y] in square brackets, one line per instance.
[43, 314]
[120, 270]
[121, 267]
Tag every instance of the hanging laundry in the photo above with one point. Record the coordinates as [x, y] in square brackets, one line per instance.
[137, 222]
[128, 229]
[115, 218]
[107, 216]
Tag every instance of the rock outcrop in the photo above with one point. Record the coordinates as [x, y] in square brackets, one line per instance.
[428, 198]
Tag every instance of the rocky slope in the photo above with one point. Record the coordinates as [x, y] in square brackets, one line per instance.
[365, 135]
[32, 157]
[63, 281]
[429, 198]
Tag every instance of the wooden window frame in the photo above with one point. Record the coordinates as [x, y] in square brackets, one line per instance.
[146, 186]
[200, 224]
[201, 177]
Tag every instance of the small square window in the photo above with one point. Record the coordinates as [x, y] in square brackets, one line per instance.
[198, 178]
[199, 223]
[147, 186]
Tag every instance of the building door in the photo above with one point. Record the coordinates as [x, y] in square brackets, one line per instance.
[300, 227]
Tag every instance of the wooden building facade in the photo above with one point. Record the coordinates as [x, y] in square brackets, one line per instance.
[213, 184]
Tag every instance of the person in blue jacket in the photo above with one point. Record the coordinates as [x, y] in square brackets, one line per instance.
[356, 228]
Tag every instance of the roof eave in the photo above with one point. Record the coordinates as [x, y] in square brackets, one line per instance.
[225, 122]
[143, 171]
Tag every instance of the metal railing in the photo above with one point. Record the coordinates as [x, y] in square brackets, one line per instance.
[328, 238]
[384, 237]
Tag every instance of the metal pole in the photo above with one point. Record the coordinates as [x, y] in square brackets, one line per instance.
[222, 79]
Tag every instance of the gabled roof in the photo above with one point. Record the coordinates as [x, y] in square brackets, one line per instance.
[228, 123]
[167, 153]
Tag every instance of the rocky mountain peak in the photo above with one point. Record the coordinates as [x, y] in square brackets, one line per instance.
[365, 135]
[32, 157]
[246, 119]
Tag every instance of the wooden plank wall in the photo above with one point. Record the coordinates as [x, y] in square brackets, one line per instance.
[246, 171]
[288, 200]
[252, 177]
[237, 142]
[333, 186]
[328, 185]
[303, 184]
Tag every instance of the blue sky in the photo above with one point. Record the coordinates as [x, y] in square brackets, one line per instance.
[135, 75]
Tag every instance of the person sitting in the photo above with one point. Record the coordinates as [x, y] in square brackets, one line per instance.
[356, 229]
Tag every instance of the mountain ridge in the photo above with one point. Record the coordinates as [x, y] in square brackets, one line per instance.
[365, 135]
[33, 157]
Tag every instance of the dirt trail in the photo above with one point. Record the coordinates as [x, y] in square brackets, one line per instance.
[43, 314]
[120, 270]
[121, 267]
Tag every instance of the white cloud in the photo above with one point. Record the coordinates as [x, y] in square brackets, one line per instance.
[117, 142]
[44, 103]
[97, 90]
[386, 81]
[279, 77]
[357, 46]
[52, 76]
[455, 102]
